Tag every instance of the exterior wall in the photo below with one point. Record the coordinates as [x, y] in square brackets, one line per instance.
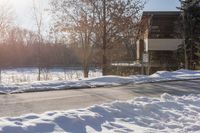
[146, 45]
[164, 44]
[138, 50]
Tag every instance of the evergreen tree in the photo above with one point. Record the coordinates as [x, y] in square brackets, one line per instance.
[191, 19]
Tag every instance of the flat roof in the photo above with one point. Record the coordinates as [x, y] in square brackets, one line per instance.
[146, 13]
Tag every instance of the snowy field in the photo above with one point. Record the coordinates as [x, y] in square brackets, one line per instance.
[167, 114]
[100, 81]
[20, 75]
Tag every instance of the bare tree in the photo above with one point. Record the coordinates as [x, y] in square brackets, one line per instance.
[6, 16]
[6, 19]
[76, 17]
[38, 15]
[100, 22]
[115, 17]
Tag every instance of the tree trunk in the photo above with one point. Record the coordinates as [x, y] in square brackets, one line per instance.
[86, 55]
[86, 71]
[185, 56]
[39, 62]
[104, 64]
[39, 73]
[185, 41]
[104, 58]
[85, 64]
[0, 75]
[39, 58]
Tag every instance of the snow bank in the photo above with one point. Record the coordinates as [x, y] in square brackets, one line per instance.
[167, 114]
[99, 82]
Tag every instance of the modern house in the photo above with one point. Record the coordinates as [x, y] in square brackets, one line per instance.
[160, 37]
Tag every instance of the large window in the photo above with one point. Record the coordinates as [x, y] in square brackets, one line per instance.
[166, 26]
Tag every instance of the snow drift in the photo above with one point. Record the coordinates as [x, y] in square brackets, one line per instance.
[167, 114]
[99, 82]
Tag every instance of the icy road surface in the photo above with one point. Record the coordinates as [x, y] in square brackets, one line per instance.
[40, 102]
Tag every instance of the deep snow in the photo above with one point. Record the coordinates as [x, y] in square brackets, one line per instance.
[167, 114]
[98, 82]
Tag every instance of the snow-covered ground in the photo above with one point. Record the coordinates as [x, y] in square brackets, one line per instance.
[167, 114]
[30, 74]
[97, 82]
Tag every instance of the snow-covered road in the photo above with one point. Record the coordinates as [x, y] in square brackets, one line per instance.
[39, 102]
[161, 107]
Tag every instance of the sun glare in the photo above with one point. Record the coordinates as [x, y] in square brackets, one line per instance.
[19, 3]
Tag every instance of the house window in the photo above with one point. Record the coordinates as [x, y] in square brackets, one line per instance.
[155, 27]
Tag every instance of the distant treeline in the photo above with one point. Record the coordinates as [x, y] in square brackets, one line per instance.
[21, 48]
[19, 55]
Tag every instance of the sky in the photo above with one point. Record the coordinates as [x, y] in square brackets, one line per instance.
[24, 17]
[162, 5]
[24, 12]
